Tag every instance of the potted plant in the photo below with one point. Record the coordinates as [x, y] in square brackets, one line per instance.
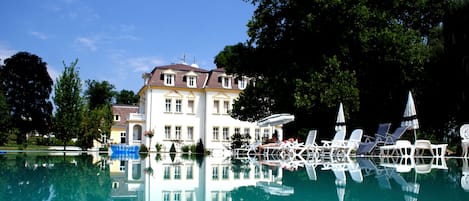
[149, 134]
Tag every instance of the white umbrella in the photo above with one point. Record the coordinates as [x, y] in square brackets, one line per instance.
[340, 123]
[276, 120]
[410, 115]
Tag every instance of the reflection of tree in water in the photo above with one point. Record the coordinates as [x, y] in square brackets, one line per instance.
[24, 177]
[239, 165]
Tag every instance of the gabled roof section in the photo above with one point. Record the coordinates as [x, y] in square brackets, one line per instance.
[123, 111]
[215, 79]
[180, 71]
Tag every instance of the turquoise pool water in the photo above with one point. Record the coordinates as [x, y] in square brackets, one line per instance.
[41, 176]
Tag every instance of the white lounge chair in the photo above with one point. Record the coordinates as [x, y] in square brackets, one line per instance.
[330, 146]
[310, 147]
[464, 133]
[247, 149]
[353, 142]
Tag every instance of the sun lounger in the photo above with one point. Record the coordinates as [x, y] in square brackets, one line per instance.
[464, 133]
[381, 133]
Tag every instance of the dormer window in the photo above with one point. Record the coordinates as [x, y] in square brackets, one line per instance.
[191, 81]
[242, 83]
[169, 79]
[226, 82]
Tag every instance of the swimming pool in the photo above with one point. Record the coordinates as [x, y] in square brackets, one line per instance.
[41, 176]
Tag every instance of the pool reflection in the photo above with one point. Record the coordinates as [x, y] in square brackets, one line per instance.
[27, 176]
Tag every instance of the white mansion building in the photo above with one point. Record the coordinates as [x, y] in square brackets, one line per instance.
[181, 104]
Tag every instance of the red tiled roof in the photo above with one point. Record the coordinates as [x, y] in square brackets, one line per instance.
[123, 111]
[181, 70]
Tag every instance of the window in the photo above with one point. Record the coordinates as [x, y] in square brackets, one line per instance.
[169, 79]
[177, 172]
[215, 173]
[167, 105]
[215, 195]
[177, 196]
[215, 133]
[167, 172]
[226, 105]
[236, 175]
[257, 134]
[225, 172]
[246, 132]
[178, 105]
[225, 133]
[216, 106]
[242, 83]
[178, 132]
[266, 134]
[122, 166]
[226, 82]
[123, 137]
[166, 195]
[190, 106]
[257, 172]
[116, 117]
[190, 196]
[237, 131]
[190, 172]
[167, 132]
[246, 174]
[191, 81]
[190, 133]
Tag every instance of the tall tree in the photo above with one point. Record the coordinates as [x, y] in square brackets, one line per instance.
[97, 120]
[364, 53]
[4, 119]
[68, 103]
[27, 86]
[127, 97]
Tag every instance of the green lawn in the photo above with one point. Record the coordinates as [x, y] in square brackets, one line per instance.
[19, 147]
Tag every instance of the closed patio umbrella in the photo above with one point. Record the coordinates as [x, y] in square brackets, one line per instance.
[410, 115]
[340, 123]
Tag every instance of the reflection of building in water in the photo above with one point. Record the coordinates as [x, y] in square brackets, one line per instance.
[176, 178]
[127, 179]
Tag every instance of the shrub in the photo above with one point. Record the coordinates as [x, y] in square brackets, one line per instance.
[172, 149]
[143, 149]
[158, 147]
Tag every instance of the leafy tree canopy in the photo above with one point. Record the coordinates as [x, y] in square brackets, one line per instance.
[27, 86]
[127, 97]
[307, 56]
[68, 103]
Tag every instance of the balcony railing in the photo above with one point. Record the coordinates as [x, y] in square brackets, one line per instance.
[136, 117]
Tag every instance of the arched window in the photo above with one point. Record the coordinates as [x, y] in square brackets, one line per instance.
[137, 132]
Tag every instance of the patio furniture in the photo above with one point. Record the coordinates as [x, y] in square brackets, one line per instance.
[381, 133]
[369, 147]
[247, 149]
[310, 146]
[437, 150]
[464, 133]
[330, 146]
[353, 142]
[402, 148]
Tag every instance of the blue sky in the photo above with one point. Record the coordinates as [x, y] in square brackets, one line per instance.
[118, 40]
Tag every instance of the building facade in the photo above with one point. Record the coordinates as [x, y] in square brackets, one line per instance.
[183, 104]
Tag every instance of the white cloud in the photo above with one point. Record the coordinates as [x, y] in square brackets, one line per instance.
[88, 43]
[39, 35]
[5, 52]
[143, 64]
[53, 73]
